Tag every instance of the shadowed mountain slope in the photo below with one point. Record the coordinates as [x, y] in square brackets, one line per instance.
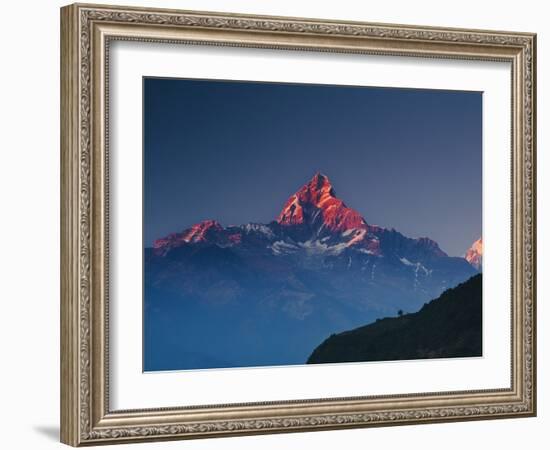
[447, 327]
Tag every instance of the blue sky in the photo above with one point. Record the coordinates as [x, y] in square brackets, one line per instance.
[407, 159]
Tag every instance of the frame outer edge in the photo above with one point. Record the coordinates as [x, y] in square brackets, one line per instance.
[69, 310]
[79, 389]
[534, 161]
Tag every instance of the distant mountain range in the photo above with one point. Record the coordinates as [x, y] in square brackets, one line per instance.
[447, 327]
[267, 294]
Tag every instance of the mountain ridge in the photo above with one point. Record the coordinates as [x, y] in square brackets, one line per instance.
[313, 213]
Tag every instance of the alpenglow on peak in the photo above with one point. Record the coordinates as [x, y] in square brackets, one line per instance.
[316, 203]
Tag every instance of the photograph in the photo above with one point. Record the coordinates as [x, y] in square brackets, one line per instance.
[301, 224]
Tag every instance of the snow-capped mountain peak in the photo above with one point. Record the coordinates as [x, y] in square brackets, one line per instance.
[474, 255]
[316, 204]
[199, 232]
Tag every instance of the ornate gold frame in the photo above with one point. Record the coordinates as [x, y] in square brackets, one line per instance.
[86, 31]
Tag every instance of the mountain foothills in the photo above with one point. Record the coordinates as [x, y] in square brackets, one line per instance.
[447, 327]
[267, 294]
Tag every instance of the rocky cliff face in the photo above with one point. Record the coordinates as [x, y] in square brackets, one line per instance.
[316, 204]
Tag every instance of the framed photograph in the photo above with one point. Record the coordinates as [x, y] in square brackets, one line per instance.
[274, 224]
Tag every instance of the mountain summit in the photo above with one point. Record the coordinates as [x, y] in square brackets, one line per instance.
[316, 204]
[474, 255]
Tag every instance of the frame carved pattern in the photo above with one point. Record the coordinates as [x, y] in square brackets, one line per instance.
[310, 422]
[85, 243]
[86, 16]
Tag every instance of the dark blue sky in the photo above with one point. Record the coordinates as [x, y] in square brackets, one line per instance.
[407, 159]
